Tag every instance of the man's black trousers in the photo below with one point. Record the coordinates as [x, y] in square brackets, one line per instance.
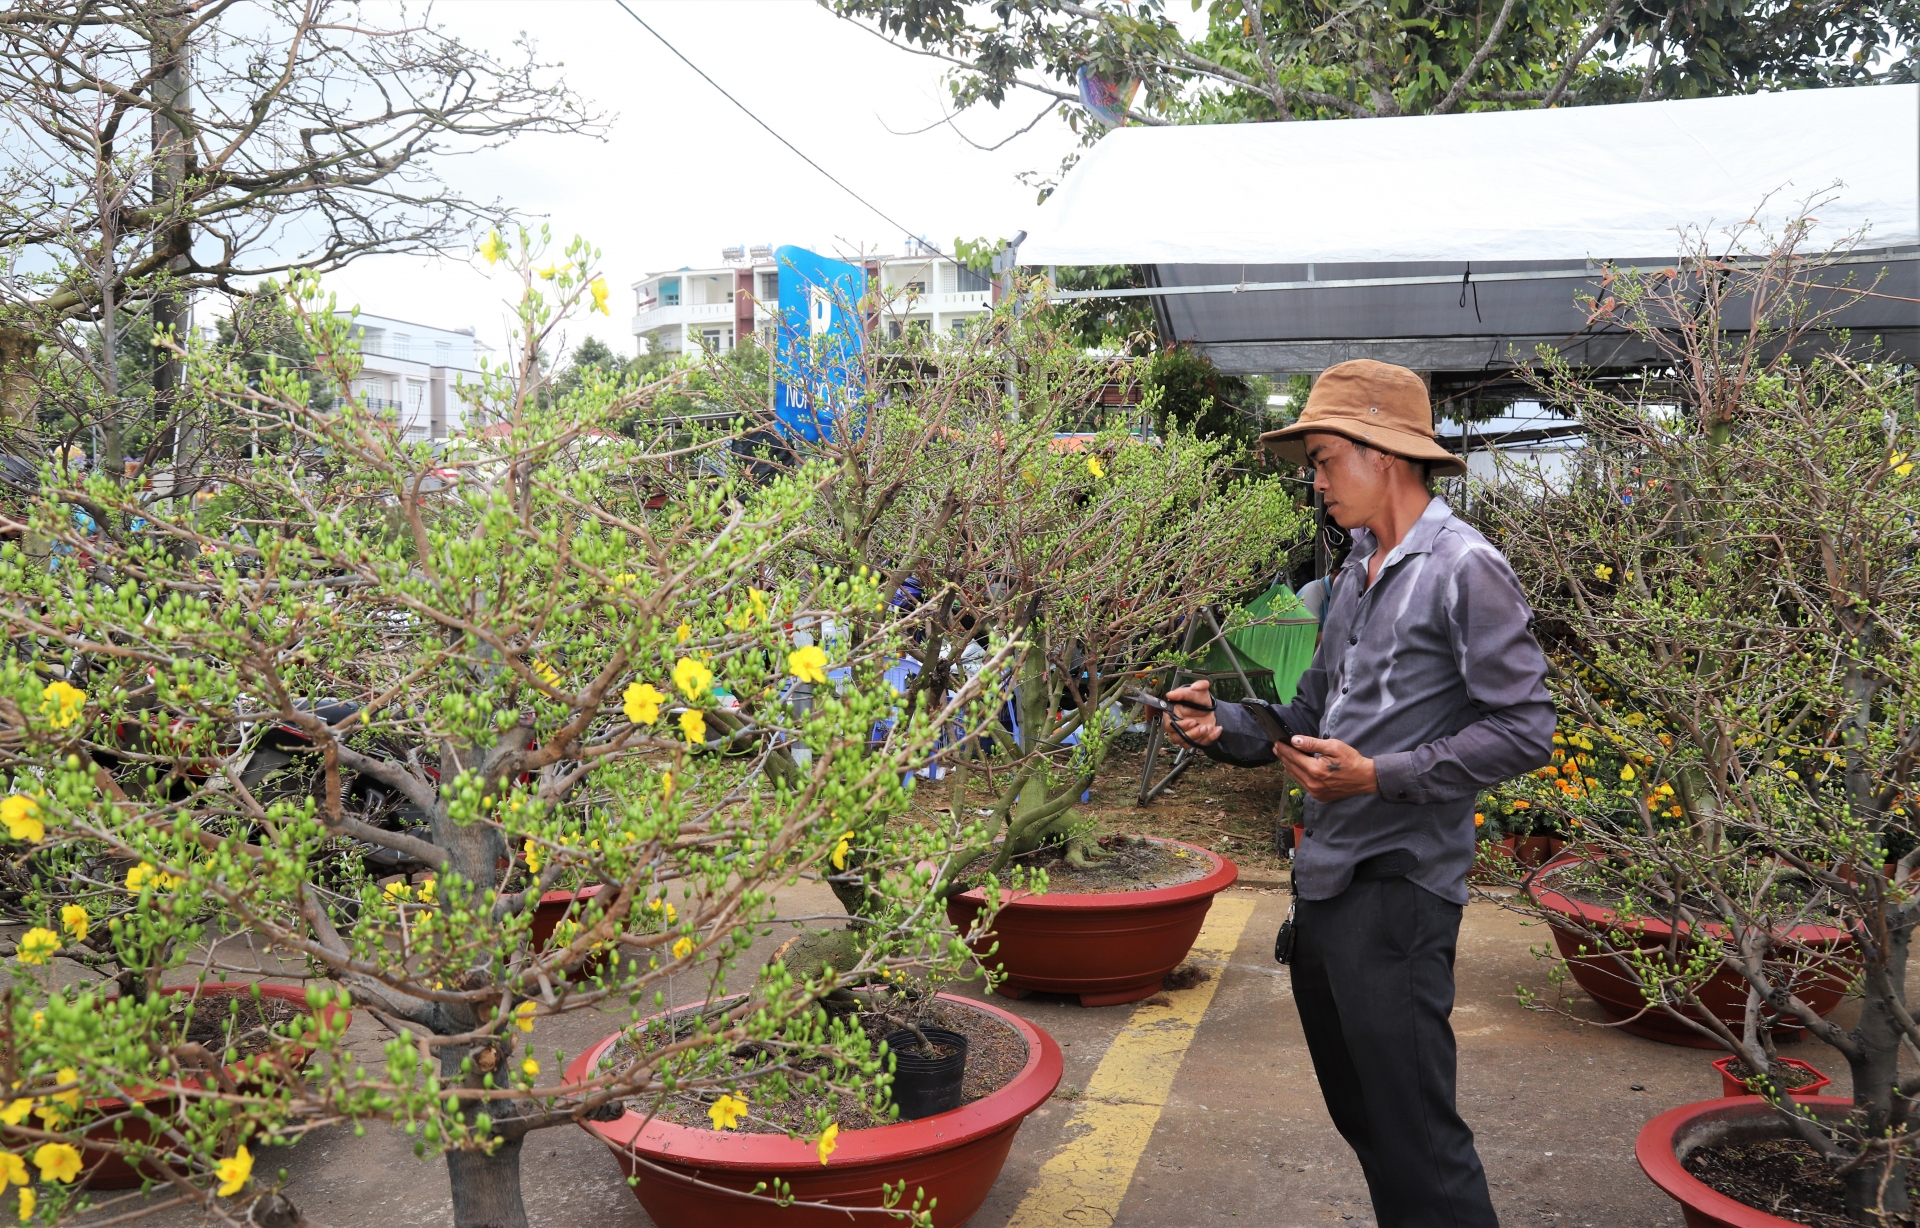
[1373, 978]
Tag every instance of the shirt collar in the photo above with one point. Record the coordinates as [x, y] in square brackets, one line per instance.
[1419, 539]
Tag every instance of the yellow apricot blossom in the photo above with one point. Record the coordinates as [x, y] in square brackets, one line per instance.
[598, 288]
[829, 1141]
[1094, 467]
[534, 855]
[642, 703]
[545, 673]
[234, 1171]
[27, 1201]
[146, 874]
[1603, 573]
[693, 723]
[74, 918]
[530, 1068]
[523, 1016]
[727, 1111]
[57, 1161]
[683, 948]
[13, 1170]
[682, 633]
[16, 1111]
[692, 677]
[1626, 771]
[841, 849]
[808, 664]
[62, 704]
[21, 814]
[37, 945]
[494, 248]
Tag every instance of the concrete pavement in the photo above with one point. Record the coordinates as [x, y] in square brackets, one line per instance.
[1239, 1134]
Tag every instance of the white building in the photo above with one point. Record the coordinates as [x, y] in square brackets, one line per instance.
[412, 370]
[686, 310]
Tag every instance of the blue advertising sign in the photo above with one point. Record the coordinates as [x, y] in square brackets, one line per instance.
[819, 336]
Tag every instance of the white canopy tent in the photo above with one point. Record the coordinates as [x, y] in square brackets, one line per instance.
[1457, 243]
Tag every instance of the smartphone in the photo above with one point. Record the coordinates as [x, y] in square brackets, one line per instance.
[1271, 723]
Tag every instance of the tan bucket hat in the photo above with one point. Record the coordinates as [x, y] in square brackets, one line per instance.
[1374, 403]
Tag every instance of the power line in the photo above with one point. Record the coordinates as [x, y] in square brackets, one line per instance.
[878, 211]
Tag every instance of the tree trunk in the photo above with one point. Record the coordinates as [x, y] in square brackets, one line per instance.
[486, 1188]
[17, 389]
[1877, 1107]
[171, 152]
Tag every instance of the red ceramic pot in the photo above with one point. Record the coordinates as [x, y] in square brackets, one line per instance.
[1107, 948]
[693, 1178]
[1494, 860]
[1674, 1134]
[1730, 1086]
[1537, 850]
[1618, 995]
[107, 1169]
[1299, 834]
[551, 910]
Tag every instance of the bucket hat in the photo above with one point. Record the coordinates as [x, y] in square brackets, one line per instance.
[1374, 403]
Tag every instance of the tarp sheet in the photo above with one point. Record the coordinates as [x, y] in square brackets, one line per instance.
[1573, 183]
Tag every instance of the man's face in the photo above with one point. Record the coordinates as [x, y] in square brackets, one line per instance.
[1352, 482]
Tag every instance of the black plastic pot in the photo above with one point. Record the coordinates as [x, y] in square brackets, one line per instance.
[923, 1086]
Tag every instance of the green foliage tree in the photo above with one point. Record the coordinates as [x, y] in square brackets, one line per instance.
[1726, 576]
[152, 154]
[1315, 59]
[568, 671]
[956, 488]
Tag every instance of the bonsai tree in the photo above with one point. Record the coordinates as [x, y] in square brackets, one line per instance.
[978, 477]
[346, 716]
[1725, 578]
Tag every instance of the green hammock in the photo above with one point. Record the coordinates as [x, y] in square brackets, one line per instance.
[1282, 648]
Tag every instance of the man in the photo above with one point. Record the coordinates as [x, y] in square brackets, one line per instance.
[1427, 687]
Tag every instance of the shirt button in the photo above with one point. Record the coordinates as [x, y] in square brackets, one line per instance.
[1353, 639]
[1309, 831]
[1403, 793]
[1346, 687]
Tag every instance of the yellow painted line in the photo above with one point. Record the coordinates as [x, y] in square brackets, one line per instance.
[1085, 1180]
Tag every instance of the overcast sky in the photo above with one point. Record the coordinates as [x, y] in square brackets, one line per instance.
[683, 173]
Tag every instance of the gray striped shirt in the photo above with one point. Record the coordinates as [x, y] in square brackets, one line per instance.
[1434, 673]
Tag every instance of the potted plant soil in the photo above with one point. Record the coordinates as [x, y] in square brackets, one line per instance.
[1723, 1160]
[1726, 583]
[1607, 953]
[1789, 1075]
[699, 1158]
[1108, 932]
[252, 1032]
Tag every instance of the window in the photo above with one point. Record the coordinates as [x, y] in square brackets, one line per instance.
[769, 287]
[402, 346]
[443, 353]
[373, 341]
[669, 291]
[710, 337]
[972, 281]
[949, 278]
[916, 287]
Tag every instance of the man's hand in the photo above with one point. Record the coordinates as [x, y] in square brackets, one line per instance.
[1327, 768]
[1194, 705]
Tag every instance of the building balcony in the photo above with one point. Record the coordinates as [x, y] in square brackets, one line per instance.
[677, 314]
